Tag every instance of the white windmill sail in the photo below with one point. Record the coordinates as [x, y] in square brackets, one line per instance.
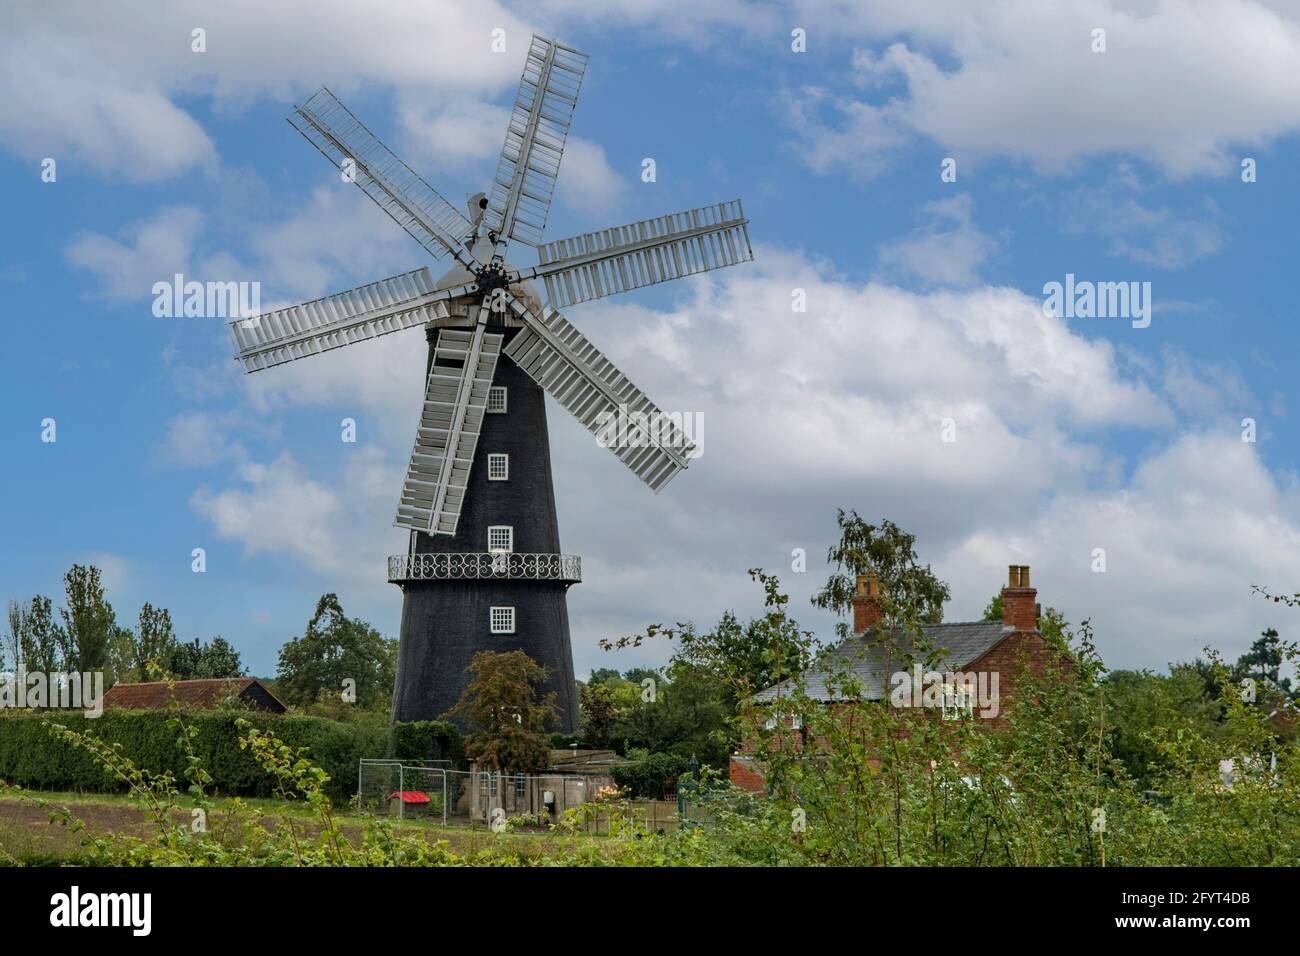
[547, 348]
[455, 401]
[415, 205]
[643, 253]
[374, 309]
[539, 125]
[560, 359]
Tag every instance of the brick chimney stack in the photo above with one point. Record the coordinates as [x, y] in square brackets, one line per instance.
[1019, 600]
[866, 603]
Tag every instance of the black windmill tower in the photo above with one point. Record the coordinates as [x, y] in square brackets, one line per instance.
[484, 570]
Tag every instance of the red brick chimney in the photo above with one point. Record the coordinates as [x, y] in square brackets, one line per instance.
[866, 603]
[1019, 600]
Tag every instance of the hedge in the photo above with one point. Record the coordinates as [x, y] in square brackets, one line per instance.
[30, 757]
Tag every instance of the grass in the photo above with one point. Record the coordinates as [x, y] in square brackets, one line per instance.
[28, 837]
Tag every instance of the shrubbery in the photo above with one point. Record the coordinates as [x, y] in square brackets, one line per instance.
[30, 757]
[652, 775]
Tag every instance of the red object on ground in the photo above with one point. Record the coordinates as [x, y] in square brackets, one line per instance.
[409, 796]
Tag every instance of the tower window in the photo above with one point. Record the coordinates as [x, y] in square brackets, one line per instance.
[497, 399]
[498, 467]
[502, 620]
[501, 538]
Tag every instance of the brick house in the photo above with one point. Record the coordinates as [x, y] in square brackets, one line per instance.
[988, 655]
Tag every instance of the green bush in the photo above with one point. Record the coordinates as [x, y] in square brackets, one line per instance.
[652, 774]
[427, 739]
[30, 757]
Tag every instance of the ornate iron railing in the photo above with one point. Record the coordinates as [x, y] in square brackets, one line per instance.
[504, 566]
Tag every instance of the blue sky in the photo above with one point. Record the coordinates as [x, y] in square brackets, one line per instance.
[923, 302]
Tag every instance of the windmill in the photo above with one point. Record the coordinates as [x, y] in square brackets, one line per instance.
[483, 570]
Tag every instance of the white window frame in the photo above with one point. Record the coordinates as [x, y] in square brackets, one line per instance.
[493, 391]
[509, 547]
[501, 628]
[502, 459]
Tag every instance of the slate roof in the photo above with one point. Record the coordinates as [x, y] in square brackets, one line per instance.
[585, 761]
[872, 660]
[206, 694]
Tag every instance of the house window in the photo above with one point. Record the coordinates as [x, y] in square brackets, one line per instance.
[497, 400]
[521, 786]
[501, 538]
[770, 723]
[502, 620]
[498, 467]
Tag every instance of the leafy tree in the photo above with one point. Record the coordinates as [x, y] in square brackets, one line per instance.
[195, 661]
[639, 675]
[120, 665]
[335, 648]
[1142, 707]
[600, 675]
[40, 637]
[889, 553]
[501, 705]
[1263, 662]
[89, 626]
[155, 640]
[739, 659]
[596, 707]
[683, 716]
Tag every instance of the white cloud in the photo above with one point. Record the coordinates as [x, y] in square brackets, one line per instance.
[149, 251]
[340, 238]
[835, 133]
[1018, 78]
[107, 78]
[90, 114]
[1199, 523]
[327, 527]
[1151, 236]
[839, 406]
[453, 136]
[947, 249]
[200, 439]
[587, 183]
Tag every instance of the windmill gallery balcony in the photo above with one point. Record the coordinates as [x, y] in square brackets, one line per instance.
[493, 566]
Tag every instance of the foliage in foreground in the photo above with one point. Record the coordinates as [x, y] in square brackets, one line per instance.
[885, 786]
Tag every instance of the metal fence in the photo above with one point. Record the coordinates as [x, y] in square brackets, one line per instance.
[432, 790]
